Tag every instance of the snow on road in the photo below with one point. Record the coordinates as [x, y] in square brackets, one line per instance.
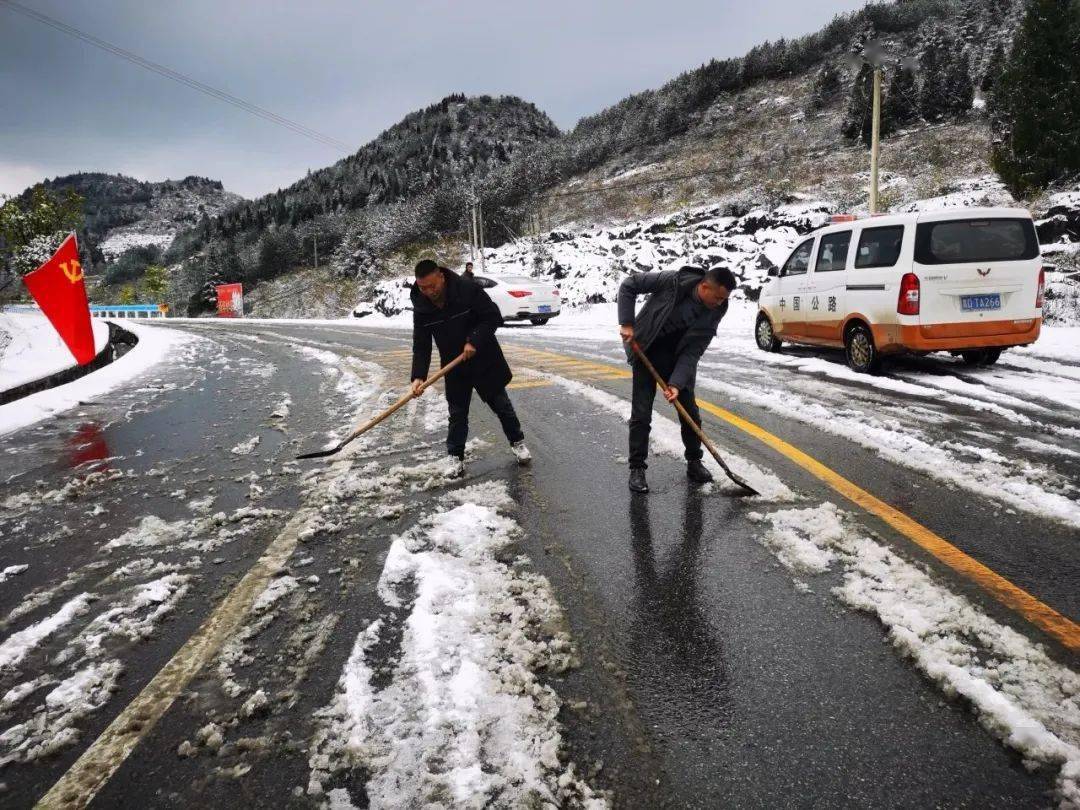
[463, 718]
[156, 344]
[666, 438]
[1020, 694]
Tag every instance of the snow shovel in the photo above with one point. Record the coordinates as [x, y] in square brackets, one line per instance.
[364, 428]
[694, 425]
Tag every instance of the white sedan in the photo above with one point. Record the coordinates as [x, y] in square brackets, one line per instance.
[520, 298]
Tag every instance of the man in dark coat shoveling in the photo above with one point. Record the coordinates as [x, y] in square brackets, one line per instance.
[461, 318]
[673, 329]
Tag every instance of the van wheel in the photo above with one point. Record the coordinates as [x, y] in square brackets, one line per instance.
[974, 357]
[990, 356]
[862, 354]
[538, 321]
[766, 338]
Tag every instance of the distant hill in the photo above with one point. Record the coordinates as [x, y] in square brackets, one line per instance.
[430, 158]
[123, 215]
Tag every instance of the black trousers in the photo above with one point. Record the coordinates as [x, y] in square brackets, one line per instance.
[458, 400]
[641, 409]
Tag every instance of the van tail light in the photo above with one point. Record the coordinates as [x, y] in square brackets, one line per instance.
[1042, 288]
[908, 302]
[519, 293]
[555, 292]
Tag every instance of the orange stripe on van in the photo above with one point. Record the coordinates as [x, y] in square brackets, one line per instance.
[944, 336]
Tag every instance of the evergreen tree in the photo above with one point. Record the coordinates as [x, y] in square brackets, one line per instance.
[859, 117]
[827, 86]
[959, 85]
[1035, 108]
[934, 93]
[901, 105]
[994, 67]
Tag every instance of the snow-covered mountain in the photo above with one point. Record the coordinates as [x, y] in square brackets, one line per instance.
[588, 264]
[122, 213]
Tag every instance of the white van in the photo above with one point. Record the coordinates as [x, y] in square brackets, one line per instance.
[968, 281]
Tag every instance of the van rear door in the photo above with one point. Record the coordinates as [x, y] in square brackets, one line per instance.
[978, 274]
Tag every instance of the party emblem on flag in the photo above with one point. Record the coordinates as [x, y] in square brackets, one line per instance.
[59, 290]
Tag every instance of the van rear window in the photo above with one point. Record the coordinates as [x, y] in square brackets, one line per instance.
[879, 247]
[975, 240]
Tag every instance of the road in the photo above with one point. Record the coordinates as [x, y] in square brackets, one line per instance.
[202, 620]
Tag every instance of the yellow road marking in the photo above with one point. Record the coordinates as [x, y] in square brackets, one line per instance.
[1038, 613]
[78, 787]
[528, 384]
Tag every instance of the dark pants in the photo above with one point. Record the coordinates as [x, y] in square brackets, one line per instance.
[642, 407]
[458, 402]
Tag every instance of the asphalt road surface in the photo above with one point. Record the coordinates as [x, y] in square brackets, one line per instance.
[203, 621]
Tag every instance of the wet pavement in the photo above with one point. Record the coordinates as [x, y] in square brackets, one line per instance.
[709, 675]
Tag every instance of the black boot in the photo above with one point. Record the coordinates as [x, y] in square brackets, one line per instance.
[697, 472]
[637, 480]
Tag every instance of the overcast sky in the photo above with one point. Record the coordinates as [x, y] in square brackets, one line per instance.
[348, 68]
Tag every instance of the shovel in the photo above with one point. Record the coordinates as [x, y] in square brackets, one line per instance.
[368, 425]
[694, 425]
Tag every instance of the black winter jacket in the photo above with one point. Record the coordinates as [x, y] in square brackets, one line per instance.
[667, 288]
[469, 316]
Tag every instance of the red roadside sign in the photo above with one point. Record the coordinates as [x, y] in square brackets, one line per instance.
[58, 288]
[230, 300]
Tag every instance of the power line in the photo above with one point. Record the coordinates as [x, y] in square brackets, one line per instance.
[176, 76]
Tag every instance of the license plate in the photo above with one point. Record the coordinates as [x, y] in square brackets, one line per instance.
[543, 308]
[978, 303]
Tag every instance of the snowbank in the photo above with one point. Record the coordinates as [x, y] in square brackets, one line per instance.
[31, 349]
[155, 344]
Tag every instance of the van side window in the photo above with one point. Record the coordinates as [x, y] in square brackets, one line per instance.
[879, 247]
[799, 261]
[485, 283]
[832, 253]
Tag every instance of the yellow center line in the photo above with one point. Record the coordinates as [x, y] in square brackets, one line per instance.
[1015, 598]
[91, 771]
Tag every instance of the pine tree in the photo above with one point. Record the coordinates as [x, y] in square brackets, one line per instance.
[901, 105]
[827, 86]
[960, 87]
[1035, 108]
[934, 93]
[859, 116]
[994, 67]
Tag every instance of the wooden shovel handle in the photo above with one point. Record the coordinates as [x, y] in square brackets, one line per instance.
[682, 411]
[434, 378]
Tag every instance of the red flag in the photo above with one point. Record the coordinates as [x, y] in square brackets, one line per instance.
[58, 288]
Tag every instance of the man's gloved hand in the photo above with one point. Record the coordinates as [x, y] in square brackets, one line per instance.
[626, 332]
[469, 351]
[671, 394]
[416, 387]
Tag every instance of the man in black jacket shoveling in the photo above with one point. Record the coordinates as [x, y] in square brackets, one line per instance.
[461, 318]
[673, 329]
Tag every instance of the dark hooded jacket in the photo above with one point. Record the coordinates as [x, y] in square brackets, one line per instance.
[665, 290]
[469, 316]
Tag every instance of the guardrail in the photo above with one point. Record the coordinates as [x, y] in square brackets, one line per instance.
[128, 310]
[104, 310]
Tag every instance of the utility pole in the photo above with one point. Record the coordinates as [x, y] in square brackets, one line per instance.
[480, 231]
[315, 244]
[875, 140]
[472, 232]
[874, 55]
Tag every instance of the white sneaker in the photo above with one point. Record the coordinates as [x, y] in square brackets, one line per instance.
[521, 452]
[453, 467]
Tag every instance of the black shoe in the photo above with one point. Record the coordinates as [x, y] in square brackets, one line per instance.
[637, 481]
[697, 473]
